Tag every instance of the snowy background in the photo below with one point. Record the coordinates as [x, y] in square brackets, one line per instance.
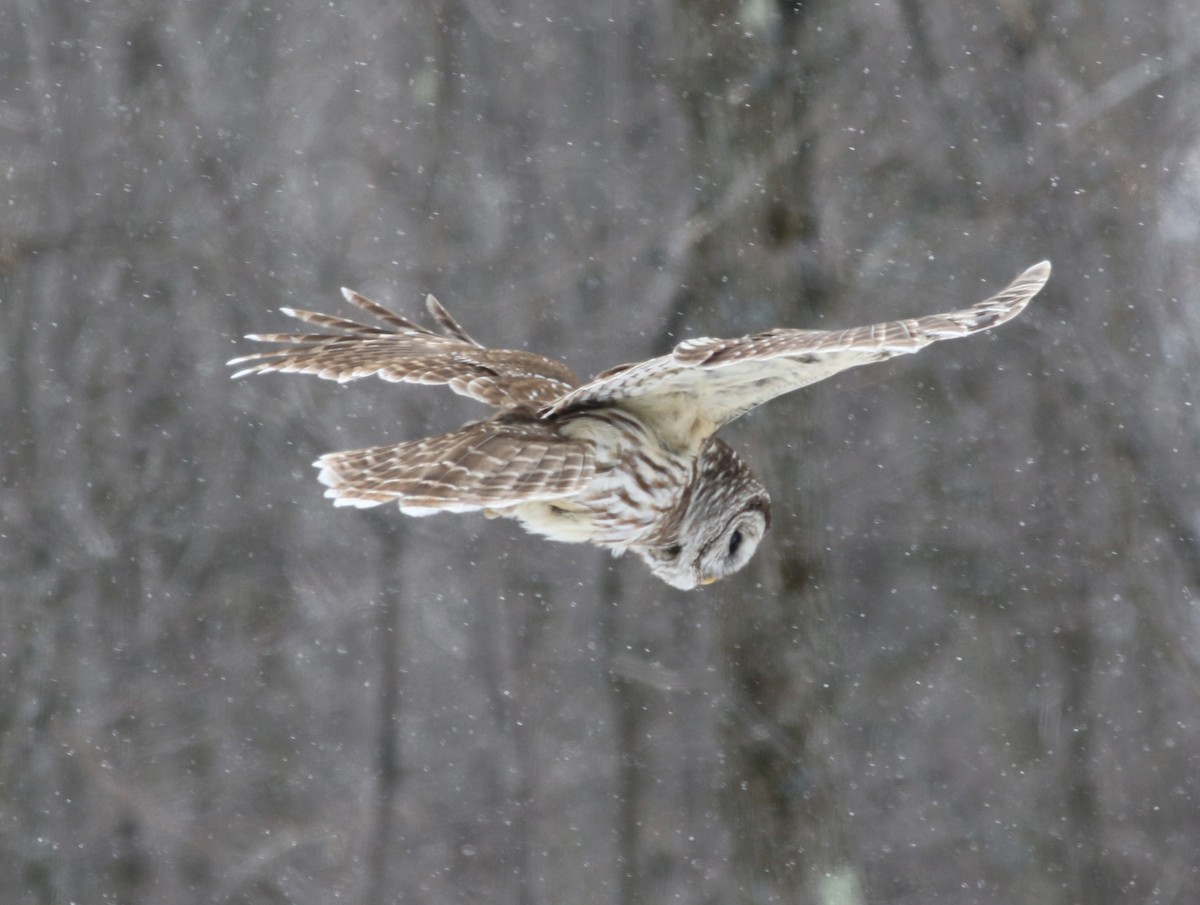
[965, 664]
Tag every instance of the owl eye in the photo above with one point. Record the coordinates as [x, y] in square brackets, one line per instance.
[673, 551]
[735, 542]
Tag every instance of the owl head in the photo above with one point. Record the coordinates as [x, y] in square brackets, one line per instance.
[722, 516]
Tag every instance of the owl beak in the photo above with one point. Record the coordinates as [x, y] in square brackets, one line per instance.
[704, 582]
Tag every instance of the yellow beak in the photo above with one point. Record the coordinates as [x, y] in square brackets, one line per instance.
[707, 581]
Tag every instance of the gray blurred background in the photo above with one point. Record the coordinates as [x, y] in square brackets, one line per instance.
[962, 668]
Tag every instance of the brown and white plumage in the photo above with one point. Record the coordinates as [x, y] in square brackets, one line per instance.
[625, 461]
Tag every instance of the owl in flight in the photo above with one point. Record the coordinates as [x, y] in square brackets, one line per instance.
[628, 460]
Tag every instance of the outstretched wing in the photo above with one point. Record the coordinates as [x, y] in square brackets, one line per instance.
[492, 464]
[705, 383]
[402, 351]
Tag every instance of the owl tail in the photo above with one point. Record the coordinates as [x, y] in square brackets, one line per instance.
[357, 477]
[488, 465]
[383, 474]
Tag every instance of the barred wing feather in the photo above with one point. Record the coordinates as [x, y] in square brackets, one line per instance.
[721, 379]
[402, 351]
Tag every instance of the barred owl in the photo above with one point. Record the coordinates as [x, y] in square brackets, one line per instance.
[626, 461]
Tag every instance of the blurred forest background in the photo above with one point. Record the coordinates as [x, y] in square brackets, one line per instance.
[964, 666]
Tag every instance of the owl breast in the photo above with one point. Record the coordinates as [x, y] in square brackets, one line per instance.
[639, 483]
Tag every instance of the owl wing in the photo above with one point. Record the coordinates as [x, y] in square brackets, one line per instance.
[491, 464]
[402, 351]
[705, 383]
